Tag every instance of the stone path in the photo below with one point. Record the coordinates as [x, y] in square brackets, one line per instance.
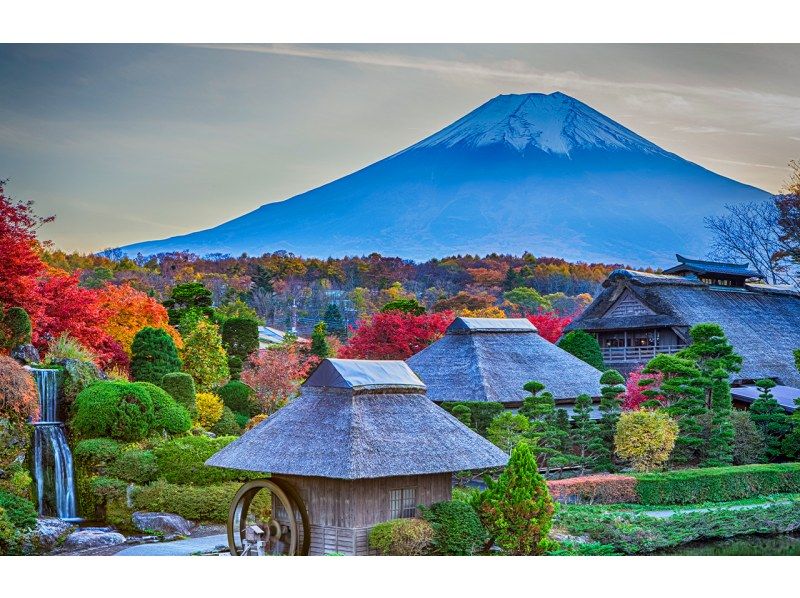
[179, 547]
[665, 514]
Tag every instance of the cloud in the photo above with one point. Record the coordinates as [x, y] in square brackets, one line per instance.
[737, 163]
[702, 130]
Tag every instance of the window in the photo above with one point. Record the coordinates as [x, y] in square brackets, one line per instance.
[402, 503]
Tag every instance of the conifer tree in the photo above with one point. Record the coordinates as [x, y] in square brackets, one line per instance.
[585, 433]
[334, 322]
[546, 430]
[319, 341]
[770, 418]
[153, 355]
[611, 390]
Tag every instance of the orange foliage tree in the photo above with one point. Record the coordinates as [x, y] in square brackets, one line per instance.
[128, 311]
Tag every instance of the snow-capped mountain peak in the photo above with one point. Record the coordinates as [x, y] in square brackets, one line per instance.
[554, 123]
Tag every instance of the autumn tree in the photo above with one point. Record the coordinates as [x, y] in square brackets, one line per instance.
[275, 375]
[204, 358]
[645, 438]
[549, 324]
[526, 300]
[641, 390]
[406, 306]
[395, 335]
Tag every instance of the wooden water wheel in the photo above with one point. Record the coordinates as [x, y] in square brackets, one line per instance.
[268, 517]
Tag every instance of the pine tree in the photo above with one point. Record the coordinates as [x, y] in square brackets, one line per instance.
[585, 433]
[770, 418]
[507, 430]
[319, 341]
[611, 390]
[546, 429]
[153, 355]
[334, 321]
[720, 443]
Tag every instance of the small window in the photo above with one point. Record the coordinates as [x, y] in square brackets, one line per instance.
[402, 503]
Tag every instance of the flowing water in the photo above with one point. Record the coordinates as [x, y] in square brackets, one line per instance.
[53, 469]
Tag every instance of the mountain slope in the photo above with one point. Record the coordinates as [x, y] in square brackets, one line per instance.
[542, 173]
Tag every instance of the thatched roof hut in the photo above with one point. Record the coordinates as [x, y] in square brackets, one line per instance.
[362, 444]
[489, 359]
[656, 311]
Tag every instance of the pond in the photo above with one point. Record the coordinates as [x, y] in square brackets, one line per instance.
[780, 545]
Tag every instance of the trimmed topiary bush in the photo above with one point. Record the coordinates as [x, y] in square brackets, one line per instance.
[180, 387]
[583, 346]
[645, 438]
[227, 424]
[209, 409]
[457, 529]
[401, 537]
[239, 397]
[182, 461]
[119, 410]
[241, 419]
[96, 452]
[153, 355]
[135, 466]
[20, 511]
[600, 489]
[197, 503]
[168, 415]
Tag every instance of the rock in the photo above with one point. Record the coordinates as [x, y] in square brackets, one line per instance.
[169, 524]
[93, 538]
[26, 354]
[50, 530]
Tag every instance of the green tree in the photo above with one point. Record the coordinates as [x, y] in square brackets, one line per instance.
[517, 509]
[583, 346]
[463, 414]
[15, 328]
[153, 355]
[507, 430]
[204, 358]
[611, 391]
[334, 321]
[237, 309]
[180, 387]
[585, 434]
[527, 300]
[685, 402]
[409, 306]
[319, 341]
[546, 430]
[240, 337]
[771, 418]
[187, 296]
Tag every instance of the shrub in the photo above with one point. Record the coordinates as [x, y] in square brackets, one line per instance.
[583, 346]
[235, 367]
[480, 414]
[255, 421]
[108, 488]
[717, 484]
[96, 452]
[206, 503]
[19, 399]
[209, 409]
[401, 537]
[594, 489]
[457, 529]
[66, 347]
[204, 358]
[8, 535]
[168, 416]
[227, 424]
[645, 438]
[517, 509]
[182, 461]
[180, 387]
[20, 511]
[239, 397]
[15, 328]
[241, 419]
[119, 410]
[135, 466]
[153, 355]
[240, 337]
[749, 444]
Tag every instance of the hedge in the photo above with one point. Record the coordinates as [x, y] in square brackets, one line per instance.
[401, 537]
[594, 489]
[717, 484]
[457, 528]
[168, 415]
[182, 461]
[119, 410]
[197, 503]
[135, 466]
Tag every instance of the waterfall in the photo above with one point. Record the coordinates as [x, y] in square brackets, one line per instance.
[53, 468]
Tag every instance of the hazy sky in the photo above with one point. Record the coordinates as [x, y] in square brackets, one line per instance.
[131, 143]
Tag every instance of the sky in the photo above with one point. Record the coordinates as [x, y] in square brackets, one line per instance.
[127, 143]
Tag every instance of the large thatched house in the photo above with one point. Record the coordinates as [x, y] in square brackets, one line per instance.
[638, 315]
[362, 444]
[488, 359]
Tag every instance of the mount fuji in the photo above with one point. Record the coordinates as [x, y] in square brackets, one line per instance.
[540, 173]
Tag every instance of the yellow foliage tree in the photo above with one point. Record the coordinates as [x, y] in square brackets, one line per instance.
[209, 409]
[485, 312]
[645, 438]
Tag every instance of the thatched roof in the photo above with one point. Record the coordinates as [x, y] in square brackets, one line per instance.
[702, 267]
[784, 395]
[477, 361]
[370, 424]
[761, 321]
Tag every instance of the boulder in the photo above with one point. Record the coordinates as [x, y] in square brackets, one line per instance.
[169, 524]
[26, 354]
[93, 538]
[50, 530]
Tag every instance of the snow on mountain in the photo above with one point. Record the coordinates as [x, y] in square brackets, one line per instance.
[539, 173]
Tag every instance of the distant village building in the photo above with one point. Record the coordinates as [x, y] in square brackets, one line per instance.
[490, 359]
[361, 445]
[639, 315]
[272, 336]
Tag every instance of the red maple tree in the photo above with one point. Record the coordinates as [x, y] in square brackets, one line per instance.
[634, 395]
[395, 335]
[550, 324]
